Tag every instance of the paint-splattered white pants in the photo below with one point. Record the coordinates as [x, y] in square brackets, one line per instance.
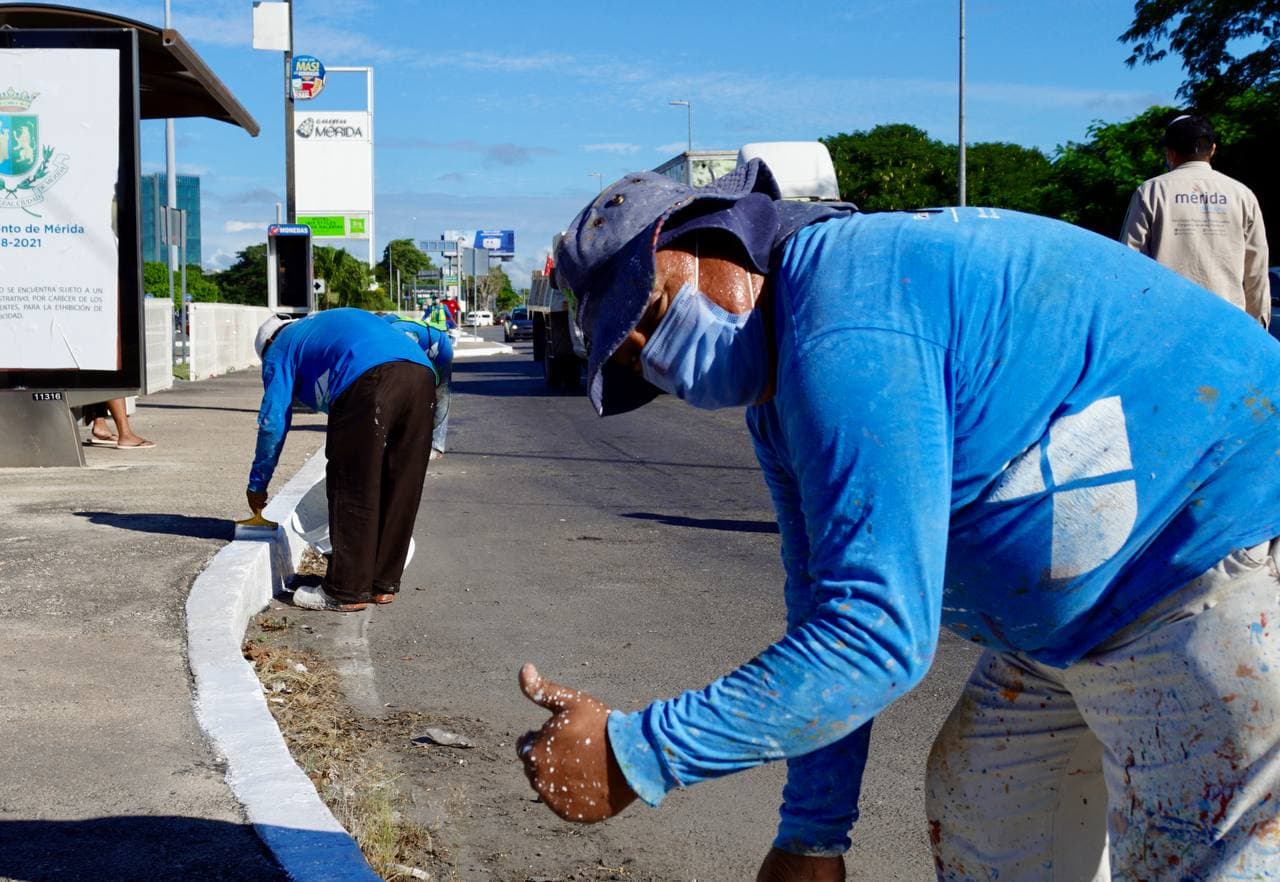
[1158, 753]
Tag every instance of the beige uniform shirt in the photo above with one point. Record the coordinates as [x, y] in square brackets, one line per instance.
[1206, 227]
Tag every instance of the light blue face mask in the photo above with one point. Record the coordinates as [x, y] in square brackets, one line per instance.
[707, 356]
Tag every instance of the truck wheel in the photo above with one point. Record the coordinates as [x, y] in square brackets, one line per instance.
[550, 372]
[539, 338]
[570, 369]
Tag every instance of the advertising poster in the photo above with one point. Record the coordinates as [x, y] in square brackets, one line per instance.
[59, 157]
[306, 79]
[499, 243]
[333, 171]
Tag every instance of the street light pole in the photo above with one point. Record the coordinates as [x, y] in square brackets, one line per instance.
[688, 165]
[599, 176]
[290, 197]
[961, 174]
[170, 163]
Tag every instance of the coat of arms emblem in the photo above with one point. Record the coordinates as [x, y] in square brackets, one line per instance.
[22, 155]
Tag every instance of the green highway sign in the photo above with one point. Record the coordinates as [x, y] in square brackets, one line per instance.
[334, 225]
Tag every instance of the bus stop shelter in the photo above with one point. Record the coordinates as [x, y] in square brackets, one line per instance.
[37, 426]
[175, 81]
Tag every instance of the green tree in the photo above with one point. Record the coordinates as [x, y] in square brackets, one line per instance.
[155, 278]
[155, 282]
[1004, 175]
[404, 257]
[496, 288]
[352, 284]
[1207, 34]
[895, 166]
[201, 288]
[899, 166]
[1092, 181]
[1248, 128]
[245, 281]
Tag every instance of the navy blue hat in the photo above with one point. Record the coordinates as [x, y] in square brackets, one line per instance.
[606, 258]
[1190, 135]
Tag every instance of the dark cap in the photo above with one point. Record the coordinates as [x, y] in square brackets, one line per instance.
[606, 258]
[1189, 135]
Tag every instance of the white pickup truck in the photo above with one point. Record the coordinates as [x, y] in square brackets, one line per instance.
[804, 172]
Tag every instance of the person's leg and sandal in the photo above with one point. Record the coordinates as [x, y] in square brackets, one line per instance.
[99, 433]
[1186, 705]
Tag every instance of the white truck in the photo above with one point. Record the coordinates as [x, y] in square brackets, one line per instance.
[804, 172]
[557, 339]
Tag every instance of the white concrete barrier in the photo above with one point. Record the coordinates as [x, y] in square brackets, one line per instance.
[278, 798]
[222, 337]
[158, 328]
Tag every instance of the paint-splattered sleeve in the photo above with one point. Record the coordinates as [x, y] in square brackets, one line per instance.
[864, 429]
[820, 800]
[274, 418]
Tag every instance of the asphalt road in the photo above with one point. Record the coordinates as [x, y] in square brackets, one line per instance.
[633, 557]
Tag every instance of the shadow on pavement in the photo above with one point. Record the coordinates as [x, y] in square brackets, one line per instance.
[731, 524]
[618, 460]
[164, 524]
[135, 847]
[151, 405]
[501, 378]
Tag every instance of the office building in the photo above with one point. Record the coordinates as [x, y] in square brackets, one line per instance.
[154, 197]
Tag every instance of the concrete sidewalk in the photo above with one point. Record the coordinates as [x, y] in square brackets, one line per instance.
[104, 772]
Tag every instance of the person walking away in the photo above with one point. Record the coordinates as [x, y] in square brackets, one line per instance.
[968, 418]
[379, 391]
[1200, 223]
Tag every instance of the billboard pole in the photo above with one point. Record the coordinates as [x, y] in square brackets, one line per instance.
[290, 197]
[170, 163]
[369, 82]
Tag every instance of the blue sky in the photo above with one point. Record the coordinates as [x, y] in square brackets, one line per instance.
[494, 115]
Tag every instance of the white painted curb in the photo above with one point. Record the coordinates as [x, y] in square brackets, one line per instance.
[279, 800]
[460, 354]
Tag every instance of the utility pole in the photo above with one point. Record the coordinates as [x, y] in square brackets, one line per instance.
[962, 150]
[688, 160]
[170, 167]
[290, 197]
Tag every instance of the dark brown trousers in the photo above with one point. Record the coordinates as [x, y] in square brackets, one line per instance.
[378, 445]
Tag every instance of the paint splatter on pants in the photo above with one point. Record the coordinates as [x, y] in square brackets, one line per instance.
[1158, 753]
[440, 428]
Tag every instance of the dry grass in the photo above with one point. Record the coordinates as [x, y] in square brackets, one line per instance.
[332, 745]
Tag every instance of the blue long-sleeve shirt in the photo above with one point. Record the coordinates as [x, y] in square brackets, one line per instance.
[314, 360]
[434, 342]
[985, 420]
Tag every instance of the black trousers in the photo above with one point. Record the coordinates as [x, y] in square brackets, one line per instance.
[378, 445]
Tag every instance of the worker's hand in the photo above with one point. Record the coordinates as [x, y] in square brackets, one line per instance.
[257, 499]
[783, 866]
[568, 760]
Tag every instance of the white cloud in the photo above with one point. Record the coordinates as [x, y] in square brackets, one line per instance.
[616, 147]
[239, 226]
[672, 148]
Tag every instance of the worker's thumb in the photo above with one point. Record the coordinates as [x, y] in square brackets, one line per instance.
[543, 692]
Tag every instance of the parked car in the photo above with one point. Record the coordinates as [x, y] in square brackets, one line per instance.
[1274, 275]
[479, 318]
[518, 326]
